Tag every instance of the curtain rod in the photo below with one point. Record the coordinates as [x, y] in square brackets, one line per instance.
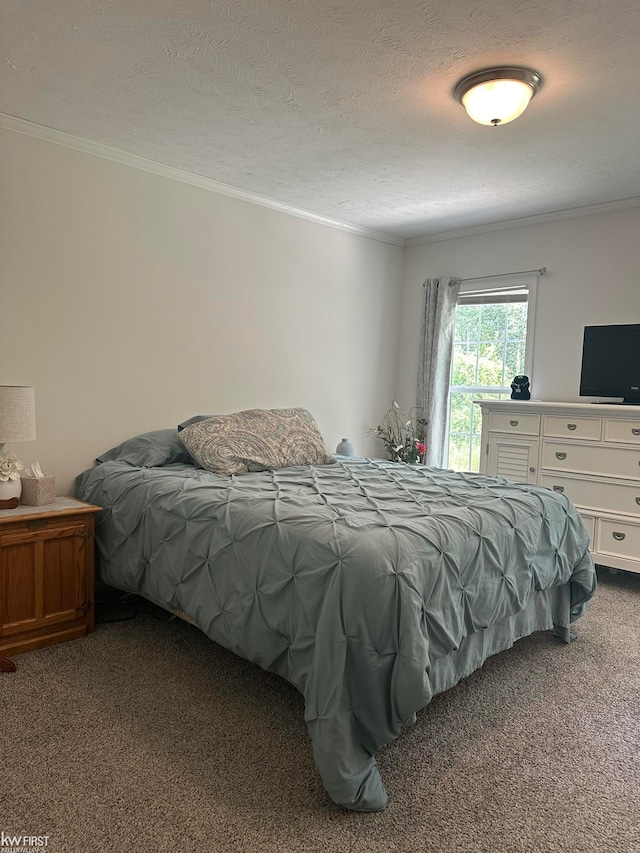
[541, 271]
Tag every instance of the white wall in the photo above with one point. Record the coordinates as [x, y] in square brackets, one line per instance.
[132, 301]
[593, 277]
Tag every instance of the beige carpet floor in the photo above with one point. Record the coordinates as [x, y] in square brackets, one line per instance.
[148, 737]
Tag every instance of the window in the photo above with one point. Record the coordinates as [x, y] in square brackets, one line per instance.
[491, 344]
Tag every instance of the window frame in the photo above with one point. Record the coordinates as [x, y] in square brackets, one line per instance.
[486, 286]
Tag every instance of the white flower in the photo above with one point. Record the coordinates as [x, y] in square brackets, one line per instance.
[9, 467]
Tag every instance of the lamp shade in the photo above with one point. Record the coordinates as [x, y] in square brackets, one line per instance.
[497, 96]
[17, 413]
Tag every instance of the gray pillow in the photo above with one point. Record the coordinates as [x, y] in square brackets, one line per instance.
[255, 440]
[194, 420]
[149, 450]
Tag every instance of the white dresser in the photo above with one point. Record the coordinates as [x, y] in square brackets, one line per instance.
[589, 452]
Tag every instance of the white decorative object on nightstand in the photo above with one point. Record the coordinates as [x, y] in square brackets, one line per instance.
[589, 452]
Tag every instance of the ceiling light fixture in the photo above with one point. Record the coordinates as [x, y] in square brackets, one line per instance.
[497, 95]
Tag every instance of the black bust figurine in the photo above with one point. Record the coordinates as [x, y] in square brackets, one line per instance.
[520, 388]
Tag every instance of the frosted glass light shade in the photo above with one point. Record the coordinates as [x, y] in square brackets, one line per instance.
[497, 102]
[17, 413]
[497, 95]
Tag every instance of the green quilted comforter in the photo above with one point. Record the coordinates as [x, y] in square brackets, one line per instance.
[370, 586]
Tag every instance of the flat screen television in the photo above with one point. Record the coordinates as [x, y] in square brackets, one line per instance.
[611, 362]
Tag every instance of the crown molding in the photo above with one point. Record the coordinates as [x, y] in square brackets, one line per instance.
[58, 137]
[536, 219]
[97, 149]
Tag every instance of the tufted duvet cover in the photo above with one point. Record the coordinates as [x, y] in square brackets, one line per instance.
[370, 586]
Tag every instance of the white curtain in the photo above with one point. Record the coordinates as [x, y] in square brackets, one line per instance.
[434, 367]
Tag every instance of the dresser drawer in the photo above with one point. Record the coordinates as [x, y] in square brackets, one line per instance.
[618, 538]
[519, 423]
[590, 524]
[565, 426]
[622, 430]
[596, 494]
[591, 459]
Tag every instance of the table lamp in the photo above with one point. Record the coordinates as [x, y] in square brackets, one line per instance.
[17, 423]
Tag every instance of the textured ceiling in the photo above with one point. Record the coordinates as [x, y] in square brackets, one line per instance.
[344, 109]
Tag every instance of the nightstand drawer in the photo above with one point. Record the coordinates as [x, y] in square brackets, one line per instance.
[519, 423]
[622, 430]
[618, 538]
[43, 576]
[556, 426]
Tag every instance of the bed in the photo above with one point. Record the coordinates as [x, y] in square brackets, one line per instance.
[369, 585]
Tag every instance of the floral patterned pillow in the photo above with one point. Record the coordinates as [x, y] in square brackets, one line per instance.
[256, 440]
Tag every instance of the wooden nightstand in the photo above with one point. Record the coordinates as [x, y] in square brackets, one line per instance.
[46, 575]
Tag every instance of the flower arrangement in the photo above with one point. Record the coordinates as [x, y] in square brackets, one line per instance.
[10, 467]
[403, 434]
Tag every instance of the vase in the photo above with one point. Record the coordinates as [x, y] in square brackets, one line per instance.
[345, 448]
[10, 491]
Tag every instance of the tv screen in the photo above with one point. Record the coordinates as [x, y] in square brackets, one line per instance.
[611, 362]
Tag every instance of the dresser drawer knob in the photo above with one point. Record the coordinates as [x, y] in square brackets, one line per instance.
[618, 536]
[571, 426]
[638, 501]
[513, 423]
[558, 489]
[635, 430]
[562, 455]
